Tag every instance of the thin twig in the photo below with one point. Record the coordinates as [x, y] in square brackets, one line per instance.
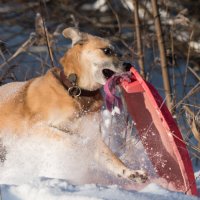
[195, 106]
[188, 59]
[31, 40]
[116, 16]
[173, 66]
[47, 37]
[186, 143]
[192, 124]
[138, 38]
[190, 93]
[194, 73]
[161, 46]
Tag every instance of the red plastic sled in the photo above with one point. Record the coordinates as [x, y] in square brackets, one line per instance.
[159, 134]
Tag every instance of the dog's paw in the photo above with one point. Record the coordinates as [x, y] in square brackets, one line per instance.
[138, 176]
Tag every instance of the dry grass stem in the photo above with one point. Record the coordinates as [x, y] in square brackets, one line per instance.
[162, 50]
[138, 38]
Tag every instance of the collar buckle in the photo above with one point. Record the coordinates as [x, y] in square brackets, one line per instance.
[70, 84]
[74, 91]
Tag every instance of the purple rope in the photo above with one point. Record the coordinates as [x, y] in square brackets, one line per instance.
[111, 99]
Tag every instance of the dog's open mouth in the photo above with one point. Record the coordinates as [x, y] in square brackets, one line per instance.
[107, 73]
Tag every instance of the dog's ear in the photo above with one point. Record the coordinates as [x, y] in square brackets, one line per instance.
[74, 34]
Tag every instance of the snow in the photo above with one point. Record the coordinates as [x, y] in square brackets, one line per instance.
[10, 90]
[53, 189]
[32, 170]
[41, 168]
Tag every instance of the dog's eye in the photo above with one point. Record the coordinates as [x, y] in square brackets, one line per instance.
[108, 51]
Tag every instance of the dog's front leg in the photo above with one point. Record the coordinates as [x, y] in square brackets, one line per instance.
[110, 161]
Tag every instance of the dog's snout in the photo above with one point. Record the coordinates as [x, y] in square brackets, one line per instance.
[127, 66]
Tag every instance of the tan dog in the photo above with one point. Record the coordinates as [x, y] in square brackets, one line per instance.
[57, 103]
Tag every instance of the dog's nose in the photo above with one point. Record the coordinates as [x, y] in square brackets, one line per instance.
[127, 66]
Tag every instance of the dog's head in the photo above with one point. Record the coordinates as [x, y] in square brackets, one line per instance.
[92, 58]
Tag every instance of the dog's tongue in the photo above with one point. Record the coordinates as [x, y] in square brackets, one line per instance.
[111, 99]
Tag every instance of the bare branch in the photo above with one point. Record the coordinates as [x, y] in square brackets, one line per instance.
[194, 73]
[194, 90]
[116, 16]
[192, 124]
[27, 44]
[163, 60]
[138, 38]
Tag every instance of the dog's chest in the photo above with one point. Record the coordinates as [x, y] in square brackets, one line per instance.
[83, 125]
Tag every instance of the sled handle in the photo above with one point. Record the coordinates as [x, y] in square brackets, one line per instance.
[133, 87]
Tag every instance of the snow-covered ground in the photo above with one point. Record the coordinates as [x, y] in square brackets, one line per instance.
[41, 169]
[55, 189]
